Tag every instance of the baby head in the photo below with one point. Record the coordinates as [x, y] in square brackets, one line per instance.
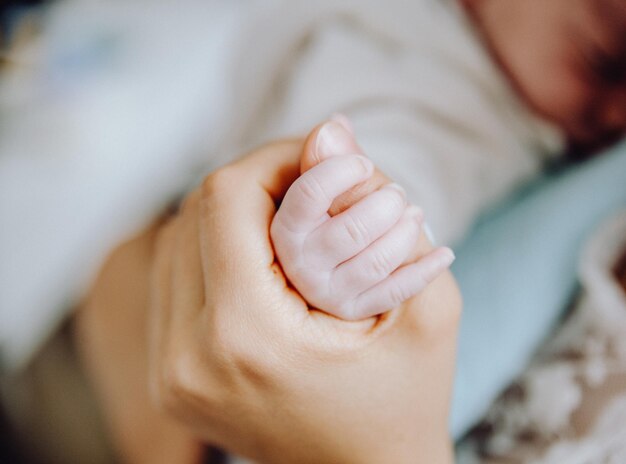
[620, 270]
[566, 58]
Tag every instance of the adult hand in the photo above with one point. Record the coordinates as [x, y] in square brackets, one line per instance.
[238, 356]
[111, 332]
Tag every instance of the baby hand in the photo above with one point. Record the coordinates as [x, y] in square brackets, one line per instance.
[356, 263]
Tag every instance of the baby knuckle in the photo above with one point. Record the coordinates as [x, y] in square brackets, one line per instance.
[322, 242]
[380, 264]
[356, 230]
[324, 251]
[355, 164]
[310, 189]
[398, 295]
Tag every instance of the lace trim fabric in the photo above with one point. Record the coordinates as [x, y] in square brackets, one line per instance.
[569, 406]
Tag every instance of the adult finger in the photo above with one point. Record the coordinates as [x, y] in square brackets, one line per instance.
[237, 205]
[187, 295]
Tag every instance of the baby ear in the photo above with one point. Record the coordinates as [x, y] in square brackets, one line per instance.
[335, 138]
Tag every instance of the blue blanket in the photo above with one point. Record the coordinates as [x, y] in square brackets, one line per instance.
[517, 273]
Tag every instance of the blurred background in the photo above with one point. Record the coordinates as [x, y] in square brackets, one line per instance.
[111, 111]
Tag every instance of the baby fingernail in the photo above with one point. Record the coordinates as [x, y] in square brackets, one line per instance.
[447, 257]
[333, 139]
[344, 121]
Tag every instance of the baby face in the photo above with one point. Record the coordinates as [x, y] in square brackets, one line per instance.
[567, 58]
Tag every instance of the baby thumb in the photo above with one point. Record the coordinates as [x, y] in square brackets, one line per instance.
[335, 138]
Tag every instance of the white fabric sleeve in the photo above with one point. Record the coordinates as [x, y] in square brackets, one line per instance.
[428, 105]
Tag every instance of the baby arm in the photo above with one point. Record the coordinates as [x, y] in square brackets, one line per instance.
[346, 237]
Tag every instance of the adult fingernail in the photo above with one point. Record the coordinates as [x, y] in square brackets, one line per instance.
[333, 139]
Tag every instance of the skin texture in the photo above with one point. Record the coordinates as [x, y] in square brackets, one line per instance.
[111, 334]
[239, 358]
[350, 264]
[220, 373]
[566, 58]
